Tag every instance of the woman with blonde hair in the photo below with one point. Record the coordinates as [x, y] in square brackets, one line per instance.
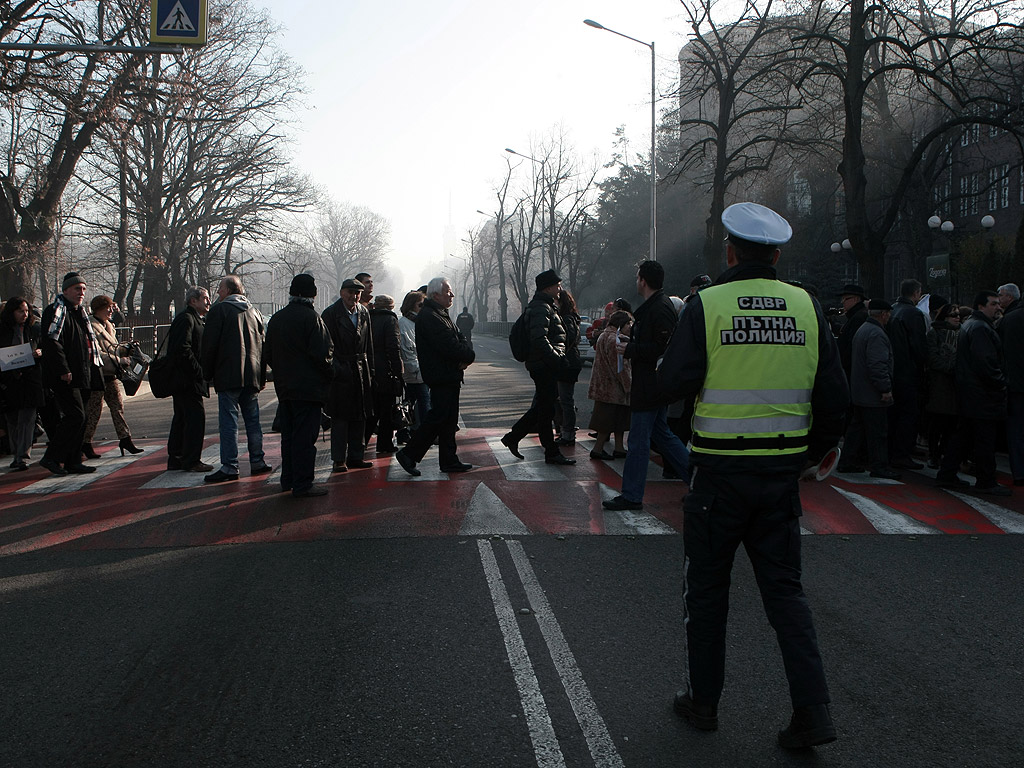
[112, 355]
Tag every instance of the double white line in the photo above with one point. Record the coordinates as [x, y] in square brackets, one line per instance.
[542, 732]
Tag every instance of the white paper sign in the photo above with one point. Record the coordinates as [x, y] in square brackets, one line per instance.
[18, 356]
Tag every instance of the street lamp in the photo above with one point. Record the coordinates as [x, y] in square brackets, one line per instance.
[654, 156]
[846, 245]
[544, 239]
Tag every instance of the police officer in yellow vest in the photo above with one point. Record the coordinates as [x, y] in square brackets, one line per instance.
[772, 400]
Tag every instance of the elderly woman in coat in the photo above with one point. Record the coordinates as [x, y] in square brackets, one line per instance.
[416, 392]
[350, 402]
[21, 389]
[111, 353]
[609, 388]
[387, 372]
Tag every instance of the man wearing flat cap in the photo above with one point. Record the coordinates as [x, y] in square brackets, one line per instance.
[772, 400]
[854, 302]
[545, 361]
[299, 349]
[71, 367]
[350, 402]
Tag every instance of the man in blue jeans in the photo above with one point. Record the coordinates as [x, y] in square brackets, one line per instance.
[654, 322]
[232, 360]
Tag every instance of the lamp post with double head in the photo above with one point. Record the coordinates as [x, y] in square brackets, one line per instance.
[547, 241]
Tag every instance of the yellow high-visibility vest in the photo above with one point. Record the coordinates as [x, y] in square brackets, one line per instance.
[762, 356]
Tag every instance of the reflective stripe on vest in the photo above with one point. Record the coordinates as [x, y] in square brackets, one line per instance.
[762, 352]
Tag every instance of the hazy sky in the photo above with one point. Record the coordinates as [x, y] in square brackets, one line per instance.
[411, 104]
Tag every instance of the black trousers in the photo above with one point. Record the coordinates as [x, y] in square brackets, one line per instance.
[188, 427]
[440, 425]
[976, 436]
[761, 512]
[868, 432]
[68, 431]
[904, 414]
[542, 411]
[347, 439]
[300, 427]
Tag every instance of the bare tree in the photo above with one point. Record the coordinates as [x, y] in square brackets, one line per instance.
[347, 239]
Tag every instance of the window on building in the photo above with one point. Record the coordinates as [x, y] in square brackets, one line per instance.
[1004, 187]
[974, 192]
[993, 188]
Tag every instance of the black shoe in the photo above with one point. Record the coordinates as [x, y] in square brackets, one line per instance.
[219, 477]
[621, 502]
[19, 466]
[386, 449]
[565, 441]
[199, 466]
[407, 463]
[459, 467]
[173, 465]
[358, 464]
[950, 481]
[602, 456]
[906, 464]
[886, 473]
[52, 466]
[79, 469]
[313, 490]
[559, 459]
[809, 727]
[619, 454]
[261, 470]
[704, 717]
[339, 466]
[126, 444]
[512, 445]
[994, 490]
[88, 452]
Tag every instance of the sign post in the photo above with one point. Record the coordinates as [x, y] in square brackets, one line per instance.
[178, 21]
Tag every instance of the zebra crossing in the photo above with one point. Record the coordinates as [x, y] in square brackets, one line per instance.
[133, 501]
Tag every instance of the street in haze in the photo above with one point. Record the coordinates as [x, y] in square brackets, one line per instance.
[496, 618]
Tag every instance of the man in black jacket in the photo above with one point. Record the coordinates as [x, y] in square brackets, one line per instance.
[444, 355]
[232, 359]
[981, 398]
[653, 324]
[184, 346]
[1011, 332]
[299, 350]
[545, 360]
[907, 330]
[71, 366]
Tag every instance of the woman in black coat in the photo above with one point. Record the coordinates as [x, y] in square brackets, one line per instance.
[21, 389]
[941, 377]
[565, 413]
[387, 372]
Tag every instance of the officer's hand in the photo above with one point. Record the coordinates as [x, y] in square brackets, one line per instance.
[66, 378]
[887, 397]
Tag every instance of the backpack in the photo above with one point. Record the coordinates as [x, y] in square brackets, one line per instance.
[519, 339]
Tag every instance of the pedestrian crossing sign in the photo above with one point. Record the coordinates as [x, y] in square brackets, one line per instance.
[178, 21]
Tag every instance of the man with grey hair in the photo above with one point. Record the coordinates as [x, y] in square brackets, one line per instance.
[444, 354]
[1009, 296]
[184, 345]
[232, 359]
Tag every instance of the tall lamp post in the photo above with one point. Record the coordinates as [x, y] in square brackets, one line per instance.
[654, 146]
[547, 241]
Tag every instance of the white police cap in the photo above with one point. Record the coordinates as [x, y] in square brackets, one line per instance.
[753, 222]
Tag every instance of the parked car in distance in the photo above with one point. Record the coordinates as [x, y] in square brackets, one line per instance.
[586, 350]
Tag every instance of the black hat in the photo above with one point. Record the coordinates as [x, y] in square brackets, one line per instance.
[70, 279]
[547, 278]
[303, 285]
[851, 289]
[354, 284]
[880, 305]
[701, 281]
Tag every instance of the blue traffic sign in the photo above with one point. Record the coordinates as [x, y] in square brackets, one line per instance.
[178, 21]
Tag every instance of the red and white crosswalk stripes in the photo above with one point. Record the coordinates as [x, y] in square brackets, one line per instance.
[132, 501]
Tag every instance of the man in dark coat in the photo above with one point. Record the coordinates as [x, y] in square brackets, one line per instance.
[1011, 332]
[653, 324]
[907, 329]
[465, 322]
[350, 402]
[299, 349]
[388, 382]
[981, 398]
[871, 375]
[232, 359]
[184, 346]
[545, 361]
[71, 366]
[855, 310]
[444, 355]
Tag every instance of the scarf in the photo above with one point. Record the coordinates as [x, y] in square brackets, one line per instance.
[60, 316]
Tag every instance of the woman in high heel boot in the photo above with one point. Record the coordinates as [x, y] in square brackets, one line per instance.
[110, 352]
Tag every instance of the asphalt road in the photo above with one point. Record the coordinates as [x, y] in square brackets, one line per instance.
[497, 651]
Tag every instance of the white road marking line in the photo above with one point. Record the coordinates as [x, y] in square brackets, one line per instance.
[884, 519]
[538, 721]
[602, 748]
[863, 478]
[1009, 521]
[107, 464]
[429, 470]
[531, 469]
[176, 478]
[487, 514]
[626, 522]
